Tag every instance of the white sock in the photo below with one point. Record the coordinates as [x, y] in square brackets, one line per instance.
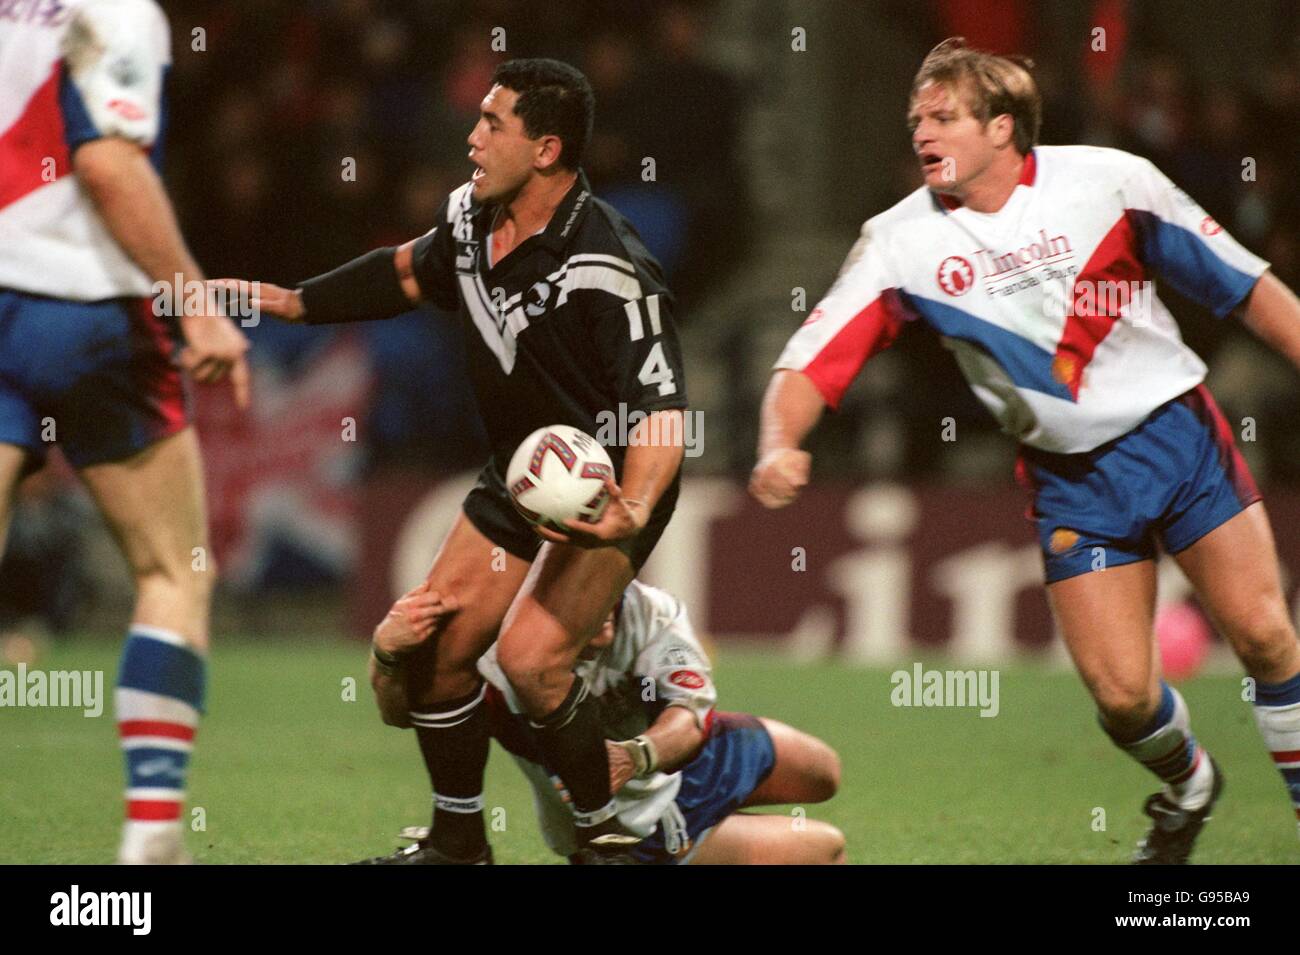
[151, 842]
[1277, 711]
[1194, 793]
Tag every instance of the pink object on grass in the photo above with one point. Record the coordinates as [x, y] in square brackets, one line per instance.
[1184, 637]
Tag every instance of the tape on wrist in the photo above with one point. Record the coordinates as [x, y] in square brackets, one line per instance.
[385, 661]
[645, 758]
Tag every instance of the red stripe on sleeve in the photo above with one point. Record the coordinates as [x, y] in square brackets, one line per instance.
[870, 331]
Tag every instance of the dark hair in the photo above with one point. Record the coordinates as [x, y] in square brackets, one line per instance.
[555, 99]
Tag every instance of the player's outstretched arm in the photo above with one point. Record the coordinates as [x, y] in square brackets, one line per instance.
[132, 202]
[405, 628]
[1272, 312]
[671, 742]
[378, 285]
[791, 407]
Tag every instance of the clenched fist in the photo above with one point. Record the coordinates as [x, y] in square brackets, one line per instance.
[780, 476]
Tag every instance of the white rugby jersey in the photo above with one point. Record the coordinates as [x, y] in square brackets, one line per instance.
[653, 661]
[72, 71]
[1046, 303]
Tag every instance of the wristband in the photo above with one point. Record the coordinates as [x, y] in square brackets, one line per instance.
[384, 660]
[366, 289]
[645, 758]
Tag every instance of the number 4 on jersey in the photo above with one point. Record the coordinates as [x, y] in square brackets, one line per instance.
[655, 370]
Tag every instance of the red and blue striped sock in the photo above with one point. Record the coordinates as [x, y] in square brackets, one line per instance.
[1167, 747]
[158, 701]
[1277, 711]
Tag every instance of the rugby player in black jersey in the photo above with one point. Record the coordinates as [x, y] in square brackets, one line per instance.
[566, 316]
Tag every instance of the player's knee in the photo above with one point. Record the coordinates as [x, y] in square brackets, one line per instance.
[1125, 706]
[1265, 643]
[538, 673]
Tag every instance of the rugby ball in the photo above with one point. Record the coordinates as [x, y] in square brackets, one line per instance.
[558, 474]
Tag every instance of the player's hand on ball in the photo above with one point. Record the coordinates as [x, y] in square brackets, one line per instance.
[780, 476]
[621, 768]
[622, 518]
[412, 619]
[263, 298]
[215, 348]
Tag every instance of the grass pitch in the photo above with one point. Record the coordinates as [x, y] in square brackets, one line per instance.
[288, 769]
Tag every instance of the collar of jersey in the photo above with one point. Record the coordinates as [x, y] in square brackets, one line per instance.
[1028, 173]
[564, 223]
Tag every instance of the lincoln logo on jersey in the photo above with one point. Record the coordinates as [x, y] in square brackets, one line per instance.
[955, 275]
[994, 265]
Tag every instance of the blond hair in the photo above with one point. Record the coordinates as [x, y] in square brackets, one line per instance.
[992, 85]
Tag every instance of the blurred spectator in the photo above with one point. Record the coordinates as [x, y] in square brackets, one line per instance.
[695, 111]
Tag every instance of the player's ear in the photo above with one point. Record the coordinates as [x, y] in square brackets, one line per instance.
[548, 152]
[1004, 128]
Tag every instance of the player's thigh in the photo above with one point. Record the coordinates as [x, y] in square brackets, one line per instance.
[1107, 619]
[154, 504]
[805, 770]
[1234, 569]
[745, 839]
[483, 578]
[562, 604]
[12, 461]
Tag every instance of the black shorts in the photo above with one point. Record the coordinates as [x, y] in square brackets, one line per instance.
[490, 510]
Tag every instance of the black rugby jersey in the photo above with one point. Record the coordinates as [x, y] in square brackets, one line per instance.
[575, 321]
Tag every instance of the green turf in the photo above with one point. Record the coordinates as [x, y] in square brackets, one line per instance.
[286, 770]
